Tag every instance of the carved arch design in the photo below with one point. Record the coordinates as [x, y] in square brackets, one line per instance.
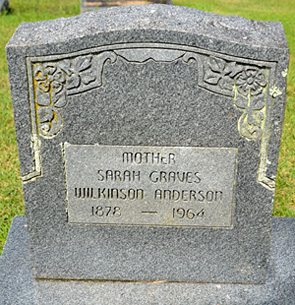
[248, 82]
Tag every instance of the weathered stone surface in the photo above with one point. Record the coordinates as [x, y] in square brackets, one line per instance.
[152, 76]
[18, 287]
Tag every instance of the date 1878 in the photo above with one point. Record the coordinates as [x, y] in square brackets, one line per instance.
[106, 211]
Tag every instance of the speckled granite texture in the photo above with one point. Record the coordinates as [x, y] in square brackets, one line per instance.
[151, 75]
[17, 286]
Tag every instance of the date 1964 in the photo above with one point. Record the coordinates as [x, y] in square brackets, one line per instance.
[187, 213]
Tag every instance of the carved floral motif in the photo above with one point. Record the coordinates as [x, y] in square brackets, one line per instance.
[219, 72]
[245, 82]
[248, 83]
[50, 95]
[251, 81]
[54, 81]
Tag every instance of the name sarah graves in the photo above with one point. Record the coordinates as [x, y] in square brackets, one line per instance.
[153, 177]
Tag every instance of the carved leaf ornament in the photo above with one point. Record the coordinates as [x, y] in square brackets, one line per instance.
[52, 81]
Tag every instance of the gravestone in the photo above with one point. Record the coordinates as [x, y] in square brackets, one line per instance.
[4, 5]
[148, 141]
[92, 5]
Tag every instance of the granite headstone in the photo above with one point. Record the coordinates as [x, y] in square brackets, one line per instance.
[4, 5]
[148, 141]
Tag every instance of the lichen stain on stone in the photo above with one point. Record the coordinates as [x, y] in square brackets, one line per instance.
[37, 169]
[151, 294]
[285, 72]
[275, 91]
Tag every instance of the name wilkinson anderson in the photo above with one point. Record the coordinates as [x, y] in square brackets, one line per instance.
[155, 176]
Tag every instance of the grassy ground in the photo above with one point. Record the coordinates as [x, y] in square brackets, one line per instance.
[11, 202]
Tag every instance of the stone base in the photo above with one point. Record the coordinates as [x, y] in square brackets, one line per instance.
[18, 287]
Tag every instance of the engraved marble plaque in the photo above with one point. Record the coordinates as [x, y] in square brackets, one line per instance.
[158, 186]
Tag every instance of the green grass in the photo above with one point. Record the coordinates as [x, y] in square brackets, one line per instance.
[11, 201]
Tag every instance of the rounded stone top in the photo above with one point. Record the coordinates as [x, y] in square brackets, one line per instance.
[138, 21]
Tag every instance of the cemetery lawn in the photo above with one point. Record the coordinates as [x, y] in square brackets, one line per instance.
[11, 201]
